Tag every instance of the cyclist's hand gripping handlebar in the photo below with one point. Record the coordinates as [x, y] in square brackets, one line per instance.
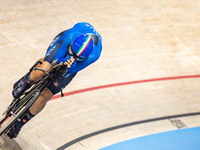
[67, 62]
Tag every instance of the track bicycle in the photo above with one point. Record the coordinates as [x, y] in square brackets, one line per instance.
[18, 107]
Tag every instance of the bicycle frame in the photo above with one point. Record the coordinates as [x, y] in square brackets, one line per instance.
[18, 107]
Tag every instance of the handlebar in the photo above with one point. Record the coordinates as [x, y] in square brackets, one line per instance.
[50, 75]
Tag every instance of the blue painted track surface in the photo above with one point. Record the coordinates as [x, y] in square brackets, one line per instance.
[182, 139]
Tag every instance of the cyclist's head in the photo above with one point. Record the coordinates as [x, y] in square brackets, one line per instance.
[82, 47]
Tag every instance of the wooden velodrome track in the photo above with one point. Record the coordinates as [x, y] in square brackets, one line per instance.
[153, 42]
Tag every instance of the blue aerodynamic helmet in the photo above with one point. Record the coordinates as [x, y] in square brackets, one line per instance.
[82, 46]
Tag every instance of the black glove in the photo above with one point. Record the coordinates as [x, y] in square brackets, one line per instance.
[22, 86]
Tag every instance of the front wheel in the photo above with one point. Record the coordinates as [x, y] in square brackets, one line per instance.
[27, 103]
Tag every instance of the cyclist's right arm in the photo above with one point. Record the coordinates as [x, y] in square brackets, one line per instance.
[37, 74]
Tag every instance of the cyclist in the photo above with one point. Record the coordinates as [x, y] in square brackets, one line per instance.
[75, 48]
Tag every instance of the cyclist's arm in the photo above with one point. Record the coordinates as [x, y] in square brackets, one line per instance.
[37, 74]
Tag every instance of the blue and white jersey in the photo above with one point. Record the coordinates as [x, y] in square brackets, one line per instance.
[58, 49]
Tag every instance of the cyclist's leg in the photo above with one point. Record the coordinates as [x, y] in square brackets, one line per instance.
[25, 82]
[63, 82]
[25, 76]
[40, 103]
[48, 93]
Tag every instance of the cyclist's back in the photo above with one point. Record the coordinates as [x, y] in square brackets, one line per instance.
[57, 48]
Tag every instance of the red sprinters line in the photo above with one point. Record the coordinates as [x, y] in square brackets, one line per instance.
[124, 83]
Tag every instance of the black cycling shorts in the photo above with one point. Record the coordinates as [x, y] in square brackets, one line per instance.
[63, 82]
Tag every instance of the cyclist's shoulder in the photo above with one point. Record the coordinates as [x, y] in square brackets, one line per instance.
[70, 35]
[82, 28]
[82, 25]
[85, 27]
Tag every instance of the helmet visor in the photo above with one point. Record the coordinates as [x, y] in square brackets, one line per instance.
[71, 53]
